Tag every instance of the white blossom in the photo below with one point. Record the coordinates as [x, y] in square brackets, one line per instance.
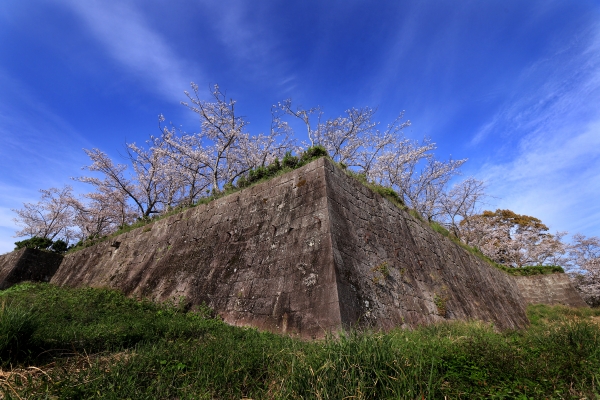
[49, 218]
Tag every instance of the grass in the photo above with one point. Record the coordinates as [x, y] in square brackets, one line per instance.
[95, 343]
[384, 191]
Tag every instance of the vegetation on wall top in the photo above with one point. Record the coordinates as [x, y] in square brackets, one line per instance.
[176, 170]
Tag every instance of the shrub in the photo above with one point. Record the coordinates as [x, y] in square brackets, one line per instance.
[274, 167]
[312, 153]
[289, 160]
[59, 246]
[242, 182]
[34, 243]
[257, 174]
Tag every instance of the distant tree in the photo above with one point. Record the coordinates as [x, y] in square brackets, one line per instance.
[49, 218]
[512, 239]
[584, 254]
[462, 201]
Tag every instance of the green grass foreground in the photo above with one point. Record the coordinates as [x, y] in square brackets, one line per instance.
[92, 343]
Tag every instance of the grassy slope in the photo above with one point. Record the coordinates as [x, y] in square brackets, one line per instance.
[91, 343]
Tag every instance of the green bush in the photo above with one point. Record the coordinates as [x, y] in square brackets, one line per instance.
[290, 161]
[274, 167]
[34, 243]
[59, 246]
[312, 153]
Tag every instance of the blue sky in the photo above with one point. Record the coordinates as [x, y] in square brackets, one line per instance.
[513, 86]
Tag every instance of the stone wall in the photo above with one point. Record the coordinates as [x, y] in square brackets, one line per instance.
[549, 289]
[259, 257]
[306, 253]
[27, 265]
[394, 270]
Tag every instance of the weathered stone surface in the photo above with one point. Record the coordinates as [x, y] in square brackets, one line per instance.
[429, 277]
[549, 289]
[259, 257]
[306, 253]
[27, 265]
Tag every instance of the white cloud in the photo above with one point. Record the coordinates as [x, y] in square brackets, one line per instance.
[556, 180]
[6, 245]
[127, 37]
[244, 29]
[560, 90]
[548, 138]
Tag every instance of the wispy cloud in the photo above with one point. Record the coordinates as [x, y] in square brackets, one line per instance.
[39, 150]
[549, 136]
[243, 28]
[560, 89]
[35, 138]
[121, 28]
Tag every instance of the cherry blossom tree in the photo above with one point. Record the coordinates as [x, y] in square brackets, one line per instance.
[305, 116]
[512, 239]
[223, 148]
[152, 186]
[383, 156]
[157, 179]
[412, 170]
[100, 213]
[461, 202]
[585, 254]
[352, 140]
[51, 217]
[186, 161]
